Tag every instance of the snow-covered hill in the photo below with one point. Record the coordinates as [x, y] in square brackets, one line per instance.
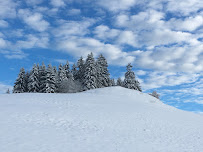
[103, 120]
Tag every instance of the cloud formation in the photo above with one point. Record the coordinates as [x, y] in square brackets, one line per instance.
[161, 38]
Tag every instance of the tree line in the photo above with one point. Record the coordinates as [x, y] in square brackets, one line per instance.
[85, 75]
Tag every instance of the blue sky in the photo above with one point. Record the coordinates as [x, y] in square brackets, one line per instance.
[162, 39]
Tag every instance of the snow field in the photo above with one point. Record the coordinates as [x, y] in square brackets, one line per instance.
[111, 119]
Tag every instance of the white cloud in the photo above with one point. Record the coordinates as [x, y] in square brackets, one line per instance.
[34, 2]
[74, 12]
[127, 37]
[175, 58]
[161, 79]
[67, 28]
[140, 72]
[185, 7]
[104, 32]
[7, 9]
[34, 20]
[2, 43]
[57, 3]
[33, 41]
[3, 24]
[15, 54]
[188, 24]
[77, 46]
[117, 5]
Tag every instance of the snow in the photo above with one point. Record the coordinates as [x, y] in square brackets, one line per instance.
[110, 119]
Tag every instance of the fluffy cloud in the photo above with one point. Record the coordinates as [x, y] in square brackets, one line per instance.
[117, 5]
[184, 7]
[57, 3]
[82, 46]
[127, 37]
[104, 32]
[187, 24]
[176, 58]
[7, 9]
[33, 20]
[160, 79]
[2, 43]
[33, 41]
[67, 28]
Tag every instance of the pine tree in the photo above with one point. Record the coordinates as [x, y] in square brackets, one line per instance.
[8, 91]
[74, 71]
[19, 86]
[138, 86]
[26, 80]
[112, 83]
[50, 80]
[67, 68]
[55, 70]
[90, 73]
[129, 81]
[42, 78]
[119, 82]
[103, 79]
[33, 81]
[61, 73]
[80, 73]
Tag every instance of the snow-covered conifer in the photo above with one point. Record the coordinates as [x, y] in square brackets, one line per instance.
[155, 94]
[55, 70]
[129, 81]
[67, 68]
[119, 82]
[138, 86]
[102, 72]
[33, 81]
[80, 73]
[42, 78]
[26, 80]
[8, 91]
[74, 71]
[50, 80]
[113, 83]
[19, 86]
[61, 73]
[90, 73]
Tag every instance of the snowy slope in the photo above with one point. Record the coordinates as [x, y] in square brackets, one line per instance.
[103, 120]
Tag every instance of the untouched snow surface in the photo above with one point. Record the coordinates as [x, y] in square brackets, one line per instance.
[103, 120]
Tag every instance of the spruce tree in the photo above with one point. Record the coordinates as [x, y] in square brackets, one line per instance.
[119, 82]
[42, 78]
[90, 73]
[112, 82]
[61, 73]
[103, 79]
[74, 71]
[50, 80]
[33, 81]
[80, 73]
[67, 68]
[19, 86]
[8, 91]
[129, 81]
[27, 74]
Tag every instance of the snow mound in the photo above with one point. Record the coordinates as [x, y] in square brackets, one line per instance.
[111, 119]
